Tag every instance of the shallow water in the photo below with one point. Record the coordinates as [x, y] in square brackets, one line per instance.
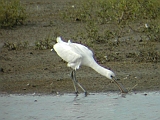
[98, 106]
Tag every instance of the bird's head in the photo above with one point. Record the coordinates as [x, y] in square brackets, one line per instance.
[110, 75]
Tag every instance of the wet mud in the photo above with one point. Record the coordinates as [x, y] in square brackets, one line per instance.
[110, 105]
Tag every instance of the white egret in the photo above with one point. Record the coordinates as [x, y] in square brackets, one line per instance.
[76, 54]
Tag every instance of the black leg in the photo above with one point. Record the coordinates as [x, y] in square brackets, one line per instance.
[76, 82]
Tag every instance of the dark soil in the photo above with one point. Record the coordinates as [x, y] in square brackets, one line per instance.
[42, 71]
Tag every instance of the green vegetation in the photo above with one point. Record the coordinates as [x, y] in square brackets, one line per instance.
[47, 43]
[16, 46]
[120, 11]
[122, 18]
[114, 24]
[123, 14]
[12, 13]
[44, 44]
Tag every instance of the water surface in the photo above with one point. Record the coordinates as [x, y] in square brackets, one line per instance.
[98, 106]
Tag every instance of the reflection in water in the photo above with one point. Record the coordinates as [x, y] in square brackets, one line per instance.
[101, 106]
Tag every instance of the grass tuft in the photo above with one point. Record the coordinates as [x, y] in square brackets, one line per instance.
[12, 13]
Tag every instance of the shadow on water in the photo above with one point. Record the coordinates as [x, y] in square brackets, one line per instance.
[101, 106]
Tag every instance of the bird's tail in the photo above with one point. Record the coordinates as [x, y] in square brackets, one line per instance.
[59, 40]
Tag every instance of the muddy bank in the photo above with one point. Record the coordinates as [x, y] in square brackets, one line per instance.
[37, 71]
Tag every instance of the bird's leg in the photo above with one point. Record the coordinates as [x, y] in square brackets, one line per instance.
[76, 81]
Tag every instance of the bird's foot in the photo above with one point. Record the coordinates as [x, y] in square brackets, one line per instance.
[86, 93]
[76, 93]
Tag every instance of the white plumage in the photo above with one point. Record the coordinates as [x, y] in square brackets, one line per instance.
[73, 53]
[76, 55]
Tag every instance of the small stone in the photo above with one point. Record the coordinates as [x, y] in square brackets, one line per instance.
[1, 70]
[146, 25]
[77, 19]
[45, 68]
[117, 79]
[24, 88]
[33, 85]
[145, 94]
[72, 6]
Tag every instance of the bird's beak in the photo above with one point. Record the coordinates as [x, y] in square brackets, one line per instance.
[120, 86]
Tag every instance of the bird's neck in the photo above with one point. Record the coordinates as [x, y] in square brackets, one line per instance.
[101, 70]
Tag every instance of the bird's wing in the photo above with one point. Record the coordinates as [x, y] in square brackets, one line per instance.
[83, 50]
[69, 41]
[67, 54]
[59, 40]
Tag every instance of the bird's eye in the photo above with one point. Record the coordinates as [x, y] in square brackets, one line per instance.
[111, 76]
